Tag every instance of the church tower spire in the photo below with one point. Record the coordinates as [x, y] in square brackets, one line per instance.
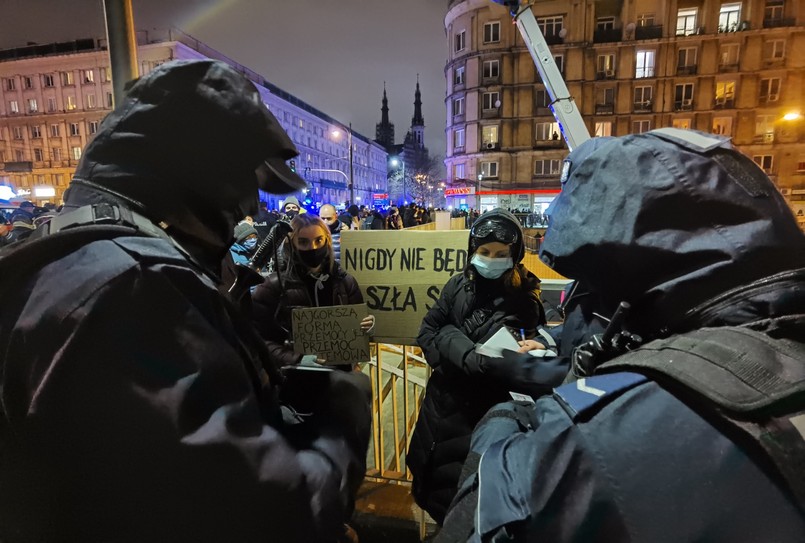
[384, 130]
[417, 121]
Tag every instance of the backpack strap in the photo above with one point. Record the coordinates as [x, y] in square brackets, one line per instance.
[755, 384]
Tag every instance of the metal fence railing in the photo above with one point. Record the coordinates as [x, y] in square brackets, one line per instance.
[398, 374]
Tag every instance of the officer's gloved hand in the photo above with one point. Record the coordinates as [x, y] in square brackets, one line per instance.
[587, 356]
[526, 374]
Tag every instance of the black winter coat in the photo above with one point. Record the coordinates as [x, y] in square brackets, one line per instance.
[273, 302]
[464, 384]
[130, 412]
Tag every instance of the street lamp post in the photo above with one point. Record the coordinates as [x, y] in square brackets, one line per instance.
[351, 180]
[394, 162]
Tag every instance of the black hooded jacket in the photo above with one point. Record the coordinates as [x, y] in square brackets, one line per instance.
[465, 384]
[134, 398]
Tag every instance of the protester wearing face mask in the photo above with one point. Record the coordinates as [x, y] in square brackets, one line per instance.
[309, 277]
[494, 291]
[329, 215]
[245, 243]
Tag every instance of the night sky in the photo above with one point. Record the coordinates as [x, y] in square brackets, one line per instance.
[333, 54]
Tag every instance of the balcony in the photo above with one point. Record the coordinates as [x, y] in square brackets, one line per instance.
[557, 143]
[683, 105]
[724, 103]
[605, 74]
[686, 70]
[648, 32]
[768, 137]
[490, 146]
[779, 21]
[642, 107]
[604, 109]
[724, 68]
[554, 39]
[19, 166]
[607, 35]
[490, 113]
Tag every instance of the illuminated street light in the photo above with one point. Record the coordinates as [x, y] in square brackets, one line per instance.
[792, 116]
[336, 134]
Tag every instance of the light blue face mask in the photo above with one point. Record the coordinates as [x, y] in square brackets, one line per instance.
[491, 268]
[250, 244]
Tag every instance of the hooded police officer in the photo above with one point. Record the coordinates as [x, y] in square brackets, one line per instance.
[138, 403]
[691, 426]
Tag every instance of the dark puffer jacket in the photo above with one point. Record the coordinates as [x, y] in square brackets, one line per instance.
[272, 303]
[464, 384]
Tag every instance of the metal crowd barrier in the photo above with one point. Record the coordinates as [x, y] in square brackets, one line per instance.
[398, 374]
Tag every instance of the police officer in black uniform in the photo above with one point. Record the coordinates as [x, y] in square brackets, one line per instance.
[138, 403]
[687, 417]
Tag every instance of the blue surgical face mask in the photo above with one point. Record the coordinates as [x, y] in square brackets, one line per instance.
[250, 244]
[491, 268]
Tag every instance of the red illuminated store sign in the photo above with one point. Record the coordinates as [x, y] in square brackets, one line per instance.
[458, 191]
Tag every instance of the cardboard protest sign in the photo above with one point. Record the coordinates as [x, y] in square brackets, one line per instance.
[401, 274]
[332, 333]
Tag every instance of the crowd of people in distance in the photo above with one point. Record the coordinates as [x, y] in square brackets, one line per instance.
[148, 395]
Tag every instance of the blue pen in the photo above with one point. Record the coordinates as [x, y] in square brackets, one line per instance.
[522, 333]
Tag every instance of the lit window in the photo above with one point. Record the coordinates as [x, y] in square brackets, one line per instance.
[75, 152]
[686, 21]
[729, 17]
[603, 129]
[547, 131]
[13, 106]
[67, 78]
[71, 103]
[87, 76]
[458, 76]
[458, 171]
[33, 107]
[458, 138]
[644, 63]
[722, 126]
[489, 136]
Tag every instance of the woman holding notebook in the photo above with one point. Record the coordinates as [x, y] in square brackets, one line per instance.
[494, 292]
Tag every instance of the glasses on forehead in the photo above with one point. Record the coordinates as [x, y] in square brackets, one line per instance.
[486, 228]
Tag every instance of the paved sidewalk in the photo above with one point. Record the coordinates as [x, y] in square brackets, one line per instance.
[386, 513]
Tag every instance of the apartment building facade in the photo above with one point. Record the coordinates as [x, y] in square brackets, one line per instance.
[54, 97]
[732, 68]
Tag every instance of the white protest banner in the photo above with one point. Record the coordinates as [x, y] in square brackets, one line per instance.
[332, 333]
[401, 274]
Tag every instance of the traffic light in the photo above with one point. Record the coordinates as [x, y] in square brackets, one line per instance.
[293, 165]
